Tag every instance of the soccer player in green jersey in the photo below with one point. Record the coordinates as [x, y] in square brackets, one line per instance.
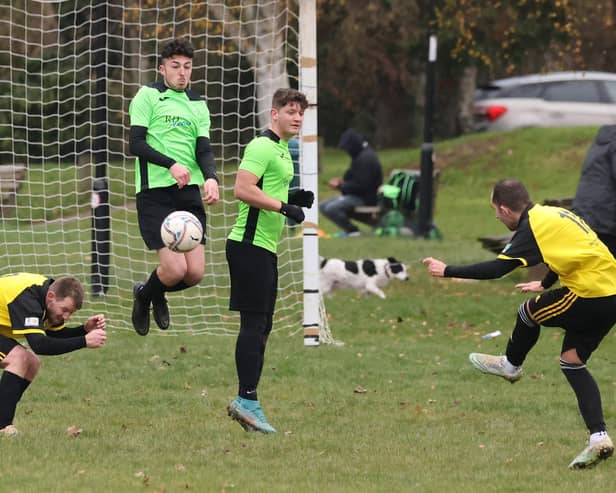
[169, 134]
[262, 188]
[584, 305]
[35, 308]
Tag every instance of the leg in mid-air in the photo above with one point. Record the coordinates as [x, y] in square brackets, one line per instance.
[176, 272]
[509, 366]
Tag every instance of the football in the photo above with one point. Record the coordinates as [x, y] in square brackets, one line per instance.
[181, 231]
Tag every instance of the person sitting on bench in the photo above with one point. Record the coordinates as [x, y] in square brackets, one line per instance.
[358, 186]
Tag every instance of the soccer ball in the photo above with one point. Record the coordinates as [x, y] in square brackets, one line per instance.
[181, 231]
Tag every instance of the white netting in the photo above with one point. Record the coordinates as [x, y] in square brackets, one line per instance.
[68, 70]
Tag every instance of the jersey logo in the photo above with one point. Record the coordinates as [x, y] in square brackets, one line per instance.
[31, 322]
[176, 121]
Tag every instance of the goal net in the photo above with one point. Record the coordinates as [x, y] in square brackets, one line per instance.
[68, 70]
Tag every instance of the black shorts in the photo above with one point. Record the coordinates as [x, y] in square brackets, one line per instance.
[254, 277]
[155, 204]
[585, 320]
[6, 344]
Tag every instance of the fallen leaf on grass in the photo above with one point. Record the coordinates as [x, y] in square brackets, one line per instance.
[73, 431]
[157, 362]
[144, 477]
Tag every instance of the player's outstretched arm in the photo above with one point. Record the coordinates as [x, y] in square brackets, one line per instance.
[435, 267]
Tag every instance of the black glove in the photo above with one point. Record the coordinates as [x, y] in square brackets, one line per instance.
[292, 211]
[301, 197]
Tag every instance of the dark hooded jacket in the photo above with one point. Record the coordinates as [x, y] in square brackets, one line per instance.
[365, 174]
[595, 198]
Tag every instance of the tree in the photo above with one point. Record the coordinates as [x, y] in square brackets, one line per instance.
[369, 69]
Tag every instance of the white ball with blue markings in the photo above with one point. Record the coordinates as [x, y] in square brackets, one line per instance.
[181, 231]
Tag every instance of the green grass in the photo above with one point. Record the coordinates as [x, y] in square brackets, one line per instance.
[152, 410]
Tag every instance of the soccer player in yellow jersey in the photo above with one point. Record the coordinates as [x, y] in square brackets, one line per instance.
[584, 305]
[36, 307]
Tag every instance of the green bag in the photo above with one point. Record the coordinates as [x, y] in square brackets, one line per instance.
[390, 224]
[400, 192]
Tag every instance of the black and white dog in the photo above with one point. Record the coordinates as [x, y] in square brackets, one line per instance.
[368, 275]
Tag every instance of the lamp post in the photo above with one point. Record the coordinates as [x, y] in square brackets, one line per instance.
[426, 189]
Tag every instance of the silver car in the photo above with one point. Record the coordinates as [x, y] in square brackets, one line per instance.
[559, 99]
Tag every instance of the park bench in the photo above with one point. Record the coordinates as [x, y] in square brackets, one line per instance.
[11, 177]
[372, 214]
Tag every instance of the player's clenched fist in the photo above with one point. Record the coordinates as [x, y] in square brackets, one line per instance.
[435, 266]
[96, 338]
[95, 322]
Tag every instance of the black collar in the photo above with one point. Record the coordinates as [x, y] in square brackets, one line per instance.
[270, 134]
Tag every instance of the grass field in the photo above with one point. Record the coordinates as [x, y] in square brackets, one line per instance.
[397, 408]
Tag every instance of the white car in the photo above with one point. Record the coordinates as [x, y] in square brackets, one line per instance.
[559, 99]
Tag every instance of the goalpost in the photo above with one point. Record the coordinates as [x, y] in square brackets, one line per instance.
[68, 70]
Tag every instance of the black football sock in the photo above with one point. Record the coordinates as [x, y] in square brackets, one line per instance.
[524, 336]
[250, 351]
[12, 388]
[269, 318]
[180, 286]
[249, 361]
[153, 288]
[587, 393]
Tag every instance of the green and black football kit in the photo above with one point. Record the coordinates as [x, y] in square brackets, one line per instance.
[168, 126]
[23, 315]
[251, 255]
[253, 242]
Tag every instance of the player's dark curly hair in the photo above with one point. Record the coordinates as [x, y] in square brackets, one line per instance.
[286, 95]
[178, 46]
[511, 193]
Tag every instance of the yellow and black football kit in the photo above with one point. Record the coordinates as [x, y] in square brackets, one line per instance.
[585, 304]
[23, 315]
